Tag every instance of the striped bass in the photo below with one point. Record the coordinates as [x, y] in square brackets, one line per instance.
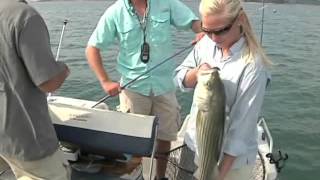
[209, 96]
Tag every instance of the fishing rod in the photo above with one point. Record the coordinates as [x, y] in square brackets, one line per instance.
[149, 70]
[278, 159]
[262, 23]
[60, 42]
[61, 37]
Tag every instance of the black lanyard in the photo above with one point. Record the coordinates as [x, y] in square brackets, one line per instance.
[143, 22]
[145, 48]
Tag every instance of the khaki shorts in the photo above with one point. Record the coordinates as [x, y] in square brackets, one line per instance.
[48, 168]
[165, 107]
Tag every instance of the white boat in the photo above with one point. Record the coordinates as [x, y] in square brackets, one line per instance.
[100, 131]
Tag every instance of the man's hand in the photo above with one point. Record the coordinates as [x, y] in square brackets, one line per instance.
[111, 88]
[198, 37]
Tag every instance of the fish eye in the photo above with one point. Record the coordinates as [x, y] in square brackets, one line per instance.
[208, 84]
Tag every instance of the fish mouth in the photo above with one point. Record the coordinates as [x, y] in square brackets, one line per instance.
[208, 72]
[216, 68]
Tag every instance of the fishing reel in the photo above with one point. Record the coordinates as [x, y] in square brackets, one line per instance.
[277, 159]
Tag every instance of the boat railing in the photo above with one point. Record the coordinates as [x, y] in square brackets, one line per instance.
[267, 132]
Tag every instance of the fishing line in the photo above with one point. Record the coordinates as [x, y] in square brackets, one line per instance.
[149, 70]
[262, 22]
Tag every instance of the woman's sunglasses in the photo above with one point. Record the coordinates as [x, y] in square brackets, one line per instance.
[220, 32]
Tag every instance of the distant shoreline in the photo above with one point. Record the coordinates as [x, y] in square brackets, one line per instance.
[311, 2]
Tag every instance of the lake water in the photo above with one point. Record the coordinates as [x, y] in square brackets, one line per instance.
[291, 39]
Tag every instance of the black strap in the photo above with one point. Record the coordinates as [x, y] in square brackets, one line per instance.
[144, 23]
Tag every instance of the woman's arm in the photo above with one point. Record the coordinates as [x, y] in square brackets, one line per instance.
[225, 165]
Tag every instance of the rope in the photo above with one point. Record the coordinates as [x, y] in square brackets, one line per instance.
[177, 149]
[4, 171]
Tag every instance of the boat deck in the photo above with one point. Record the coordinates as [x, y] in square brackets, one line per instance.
[135, 174]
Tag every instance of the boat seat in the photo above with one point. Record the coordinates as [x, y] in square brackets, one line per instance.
[102, 131]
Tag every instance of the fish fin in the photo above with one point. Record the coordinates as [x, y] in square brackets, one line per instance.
[196, 159]
[196, 174]
[200, 118]
[215, 173]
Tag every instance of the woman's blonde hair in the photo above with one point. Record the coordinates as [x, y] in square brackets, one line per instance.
[232, 8]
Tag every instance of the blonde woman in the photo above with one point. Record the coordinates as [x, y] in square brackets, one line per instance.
[230, 45]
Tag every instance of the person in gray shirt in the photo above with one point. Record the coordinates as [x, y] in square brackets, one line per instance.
[28, 71]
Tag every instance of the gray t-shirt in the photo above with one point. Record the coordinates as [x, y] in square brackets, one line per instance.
[26, 61]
